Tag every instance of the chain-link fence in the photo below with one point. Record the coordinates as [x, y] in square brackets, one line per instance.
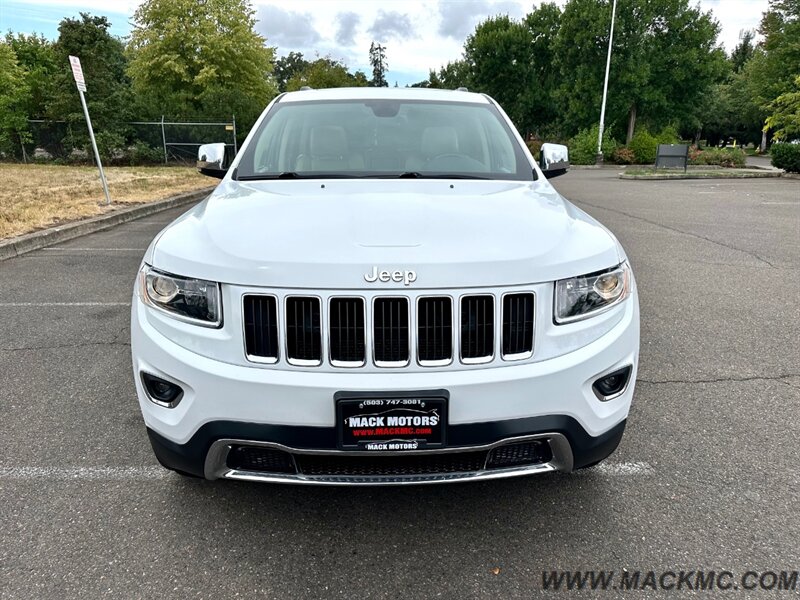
[138, 142]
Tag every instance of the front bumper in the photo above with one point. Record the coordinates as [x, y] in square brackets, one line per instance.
[206, 454]
[226, 405]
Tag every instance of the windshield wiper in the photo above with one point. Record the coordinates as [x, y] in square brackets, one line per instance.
[418, 175]
[295, 175]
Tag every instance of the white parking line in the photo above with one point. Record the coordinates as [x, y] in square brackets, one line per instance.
[616, 469]
[39, 304]
[65, 248]
[83, 473]
[610, 469]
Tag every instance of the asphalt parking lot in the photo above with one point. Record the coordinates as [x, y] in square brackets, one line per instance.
[707, 476]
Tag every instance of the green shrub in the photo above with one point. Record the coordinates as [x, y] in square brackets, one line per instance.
[668, 135]
[534, 146]
[110, 146]
[786, 157]
[623, 156]
[644, 146]
[142, 154]
[583, 146]
[723, 157]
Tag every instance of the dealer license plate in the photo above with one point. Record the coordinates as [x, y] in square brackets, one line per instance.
[391, 424]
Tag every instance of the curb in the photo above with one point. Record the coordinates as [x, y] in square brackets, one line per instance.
[47, 237]
[791, 175]
[690, 175]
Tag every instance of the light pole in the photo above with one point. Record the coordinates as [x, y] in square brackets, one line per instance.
[599, 158]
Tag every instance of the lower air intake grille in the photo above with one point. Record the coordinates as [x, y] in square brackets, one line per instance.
[303, 343]
[411, 464]
[347, 331]
[434, 330]
[261, 327]
[390, 335]
[269, 460]
[254, 458]
[477, 328]
[515, 455]
[517, 325]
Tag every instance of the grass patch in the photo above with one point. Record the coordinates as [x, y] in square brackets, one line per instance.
[37, 196]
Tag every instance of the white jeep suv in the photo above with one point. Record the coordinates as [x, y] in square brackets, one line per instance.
[384, 289]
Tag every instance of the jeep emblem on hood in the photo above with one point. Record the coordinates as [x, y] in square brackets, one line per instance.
[407, 277]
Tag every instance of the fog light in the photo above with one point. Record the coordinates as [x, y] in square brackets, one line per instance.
[612, 385]
[161, 391]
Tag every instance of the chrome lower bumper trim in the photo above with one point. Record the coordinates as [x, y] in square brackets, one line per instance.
[216, 464]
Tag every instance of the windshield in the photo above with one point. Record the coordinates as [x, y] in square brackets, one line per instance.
[384, 138]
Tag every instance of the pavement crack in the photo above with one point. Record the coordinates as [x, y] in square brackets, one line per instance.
[62, 346]
[778, 378]
[681, 231]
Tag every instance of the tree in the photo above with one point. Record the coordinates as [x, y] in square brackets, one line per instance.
[453, 75]
[785, 117]
[774, 69]
[665, 59]
[14, 95]
[200, 60]
[543, 23]
[326, 73]
[377, 58]
[103, 60]
[744, 50]
[287, 67]
[36, 56]
[498, 57]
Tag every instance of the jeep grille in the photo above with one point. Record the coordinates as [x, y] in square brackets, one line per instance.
[388, 331]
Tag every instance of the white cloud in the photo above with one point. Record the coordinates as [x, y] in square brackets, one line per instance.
[389, 25]
[734, 16]
[287, 27]
[346, 28]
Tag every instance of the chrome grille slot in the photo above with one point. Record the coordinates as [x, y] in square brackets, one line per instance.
[303, 331]
[347, 332]
[435, 331]
[517, 326]
[477, 329]
[261, 328]
[390, 332]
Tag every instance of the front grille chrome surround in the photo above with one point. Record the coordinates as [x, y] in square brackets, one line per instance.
[347, 319]
[517, 309]
[261, 328]
[479, 328]
[303, 317]
[445, 328]
[476, 324]
[391, 331]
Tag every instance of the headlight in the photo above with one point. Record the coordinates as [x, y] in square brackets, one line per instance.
[193, 300]
[582, 297]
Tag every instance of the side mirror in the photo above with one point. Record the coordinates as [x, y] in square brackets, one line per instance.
[554, 160]
[211, 160]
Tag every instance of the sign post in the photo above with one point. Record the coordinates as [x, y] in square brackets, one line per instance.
[599, 156]
[80, 82]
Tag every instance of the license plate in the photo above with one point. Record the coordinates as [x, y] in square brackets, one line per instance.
[391, 424]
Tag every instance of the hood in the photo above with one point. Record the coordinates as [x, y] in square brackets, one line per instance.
[330, 234]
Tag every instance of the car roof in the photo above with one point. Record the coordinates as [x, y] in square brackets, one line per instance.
[374, 93]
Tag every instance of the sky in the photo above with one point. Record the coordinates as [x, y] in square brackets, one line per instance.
[419, 35]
